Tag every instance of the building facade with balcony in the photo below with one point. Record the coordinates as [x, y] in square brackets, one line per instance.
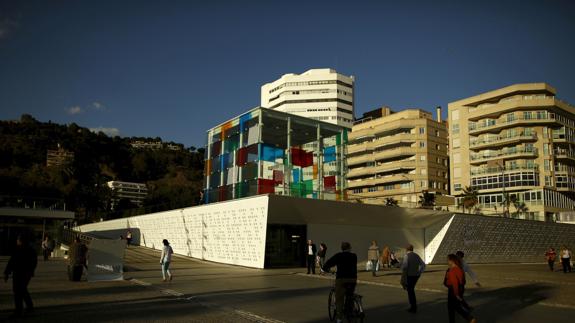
[319, 94]
[134, 192]
[264, 151]
[516, 142]
[397, 155]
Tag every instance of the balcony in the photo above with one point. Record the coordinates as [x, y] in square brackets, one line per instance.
[381, 142]
[497, 170]
[564, 154]
[501, 140]
[478, 128]
[394, 153]
[379, 180]
[478, 158]
[392, 166]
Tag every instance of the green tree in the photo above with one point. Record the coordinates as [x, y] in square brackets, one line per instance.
[470, 198]
[390, 201]
[427, 200]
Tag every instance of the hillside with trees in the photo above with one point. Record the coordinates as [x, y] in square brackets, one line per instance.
[174, 176]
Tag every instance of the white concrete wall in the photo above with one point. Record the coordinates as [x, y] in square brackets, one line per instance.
[231, 232]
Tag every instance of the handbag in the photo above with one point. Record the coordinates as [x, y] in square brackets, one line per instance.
[368, 266]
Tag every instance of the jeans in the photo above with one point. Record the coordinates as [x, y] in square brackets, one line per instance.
[411, 282]
[344, 289]
[21, 294]
[166, 269]
[310, 264]
[454, 305]
[566, 262]
[321, 261]
[373, 266]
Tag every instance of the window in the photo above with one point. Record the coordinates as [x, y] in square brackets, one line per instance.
[510, 117]
[546, 164]
[372, 189]
[457, 172]
[422, 157]
[388, 187]
[423, 184]
[421, 130]
[437, 147]
[454, 115]
[357, 190]
[455, 128]
[456, 158]
[457, 187]
[422, 144]
[437, 133]
[456, 142]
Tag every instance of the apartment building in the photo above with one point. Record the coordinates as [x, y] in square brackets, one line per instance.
[397, 155]
[319, 94]
[59, 157]
[517, 141]
[135, 192]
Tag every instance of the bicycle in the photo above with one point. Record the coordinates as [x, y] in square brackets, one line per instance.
[353, 309]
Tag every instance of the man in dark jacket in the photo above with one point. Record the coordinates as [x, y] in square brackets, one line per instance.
[310, 252]
[21, 266]
[412, 267]
[345, 278]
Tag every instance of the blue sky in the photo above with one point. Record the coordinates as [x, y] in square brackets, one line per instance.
[172, 69]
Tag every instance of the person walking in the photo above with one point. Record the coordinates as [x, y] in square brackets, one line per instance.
[455, 282]
[166, 259]
[373, 256]
[385, 257]
[412, 267]
[311, 251]
[466, 268]
[128, 238]
[345, 277]
[321, 254]
[551, 256]
[46, 251]
[21, 266]
[77, 257]
[566, 259]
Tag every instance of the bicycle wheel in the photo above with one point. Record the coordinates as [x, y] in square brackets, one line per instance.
[331, 305]
[356, 314]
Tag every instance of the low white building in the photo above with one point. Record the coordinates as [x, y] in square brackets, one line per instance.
[271, 231]
[320, 94]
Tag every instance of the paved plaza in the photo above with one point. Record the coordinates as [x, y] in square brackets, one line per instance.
[208, 292]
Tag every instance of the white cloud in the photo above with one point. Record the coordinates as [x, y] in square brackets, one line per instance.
[112, 132]
[98, 106]
[75, 110]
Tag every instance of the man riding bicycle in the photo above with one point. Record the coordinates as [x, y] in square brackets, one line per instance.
[346, 276]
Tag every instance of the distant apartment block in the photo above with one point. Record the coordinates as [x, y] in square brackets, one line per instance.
[397, 155]
[135, 192]
[154, 145]
[59, 157]
[319, 94]
[517, 141]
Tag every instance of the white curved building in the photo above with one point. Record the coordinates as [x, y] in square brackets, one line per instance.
[320, 94]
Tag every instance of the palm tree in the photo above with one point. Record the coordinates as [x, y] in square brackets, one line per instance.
[470, 198]
[390, 201]
[506, 203]
[427, 200]
[520, 207]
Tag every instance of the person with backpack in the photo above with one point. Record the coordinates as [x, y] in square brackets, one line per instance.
[166, 259]
[455, 282]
